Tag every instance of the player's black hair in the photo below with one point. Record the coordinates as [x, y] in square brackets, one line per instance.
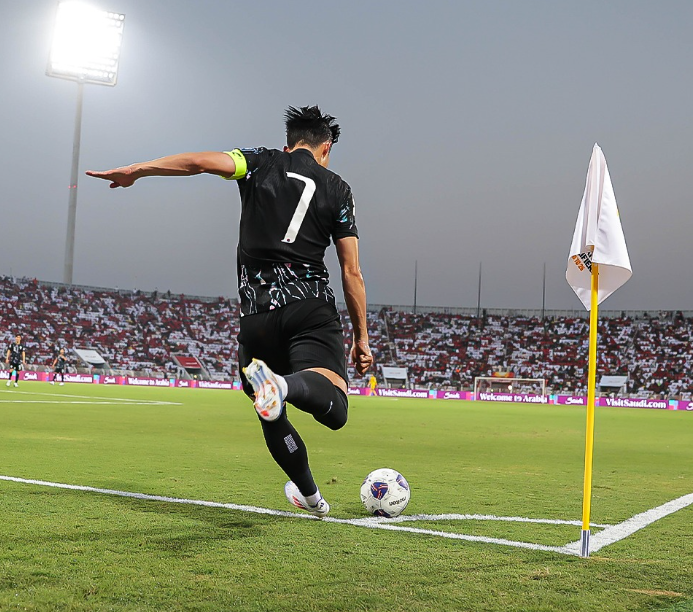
[310, 126]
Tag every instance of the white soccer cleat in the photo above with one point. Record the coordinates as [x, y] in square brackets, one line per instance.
[296, 498]
[8, 383]
[269, 398]
[16, 384]
[52, 382]
[61, 384]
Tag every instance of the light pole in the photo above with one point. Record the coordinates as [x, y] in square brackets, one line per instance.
[86, 49]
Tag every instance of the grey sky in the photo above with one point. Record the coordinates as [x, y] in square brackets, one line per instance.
[467, 131]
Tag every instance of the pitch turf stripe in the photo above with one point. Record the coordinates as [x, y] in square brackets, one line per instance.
[610, 535]
[618, 532]
[368, 523]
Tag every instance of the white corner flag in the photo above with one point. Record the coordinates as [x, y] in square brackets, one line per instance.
[598, 237]
[598, 264]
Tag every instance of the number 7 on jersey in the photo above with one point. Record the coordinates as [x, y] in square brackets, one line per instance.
[302, 207]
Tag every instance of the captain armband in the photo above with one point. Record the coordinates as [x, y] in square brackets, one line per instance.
[241, 165]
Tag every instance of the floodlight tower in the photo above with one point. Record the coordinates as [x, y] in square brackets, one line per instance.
[86, 49]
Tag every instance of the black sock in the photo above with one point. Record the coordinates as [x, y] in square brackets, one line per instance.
[315, 394]
[290, 453]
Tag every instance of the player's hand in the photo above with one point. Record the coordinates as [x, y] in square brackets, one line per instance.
[119, 177]
[361, 356]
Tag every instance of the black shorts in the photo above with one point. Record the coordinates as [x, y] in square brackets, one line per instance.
[301, 335]
[15, 365]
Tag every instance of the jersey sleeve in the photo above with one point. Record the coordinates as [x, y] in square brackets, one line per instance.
[345, 223]
[246, 160]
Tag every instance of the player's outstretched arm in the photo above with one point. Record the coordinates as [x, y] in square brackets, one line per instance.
[355, 298]
[182, 164]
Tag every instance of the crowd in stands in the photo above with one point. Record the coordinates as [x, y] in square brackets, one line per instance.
[136, 331]
[449, 351]
[133, 331]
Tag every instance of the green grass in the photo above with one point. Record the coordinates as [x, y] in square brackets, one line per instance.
[74, 550]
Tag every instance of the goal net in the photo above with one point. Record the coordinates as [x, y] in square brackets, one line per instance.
[395, 378]
[492, 384]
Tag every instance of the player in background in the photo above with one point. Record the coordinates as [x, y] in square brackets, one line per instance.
[59, 364]
[291, 345]
[372, 384]
[15, 356]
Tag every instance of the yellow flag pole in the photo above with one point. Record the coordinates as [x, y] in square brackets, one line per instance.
[589, 438]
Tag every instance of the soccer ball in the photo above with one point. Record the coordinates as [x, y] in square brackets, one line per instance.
[385, 492]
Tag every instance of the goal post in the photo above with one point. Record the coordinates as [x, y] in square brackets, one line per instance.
[495, 384]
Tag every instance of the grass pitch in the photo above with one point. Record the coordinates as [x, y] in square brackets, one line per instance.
[81, 550]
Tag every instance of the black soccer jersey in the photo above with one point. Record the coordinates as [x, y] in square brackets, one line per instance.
[291, 207]
[60, 363]
[16, 351]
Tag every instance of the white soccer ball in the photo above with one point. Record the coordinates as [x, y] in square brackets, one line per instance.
[385, 492]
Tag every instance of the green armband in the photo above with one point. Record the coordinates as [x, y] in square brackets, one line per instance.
[241, 165]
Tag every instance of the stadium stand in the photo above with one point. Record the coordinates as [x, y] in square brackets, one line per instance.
[134, 331]
[146, 333]
[445, 350]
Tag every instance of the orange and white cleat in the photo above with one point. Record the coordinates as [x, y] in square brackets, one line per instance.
[269, 390]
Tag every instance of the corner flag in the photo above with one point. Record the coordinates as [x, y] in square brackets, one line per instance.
[598, 264]
[598, 237]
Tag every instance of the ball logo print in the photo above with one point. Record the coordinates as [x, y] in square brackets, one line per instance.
[379, 489]
[385, 492]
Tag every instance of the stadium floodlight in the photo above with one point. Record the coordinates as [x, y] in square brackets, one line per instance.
[86, 44]
[85, 49]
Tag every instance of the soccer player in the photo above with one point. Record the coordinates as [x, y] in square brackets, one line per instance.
[372, 384]
[291, 338]
[58, 366]
[15, 356]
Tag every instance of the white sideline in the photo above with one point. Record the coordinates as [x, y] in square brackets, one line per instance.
[610, 534]
[101, 400]
[70, 402]
[479, 517]
[369, 523]
[618, 532]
